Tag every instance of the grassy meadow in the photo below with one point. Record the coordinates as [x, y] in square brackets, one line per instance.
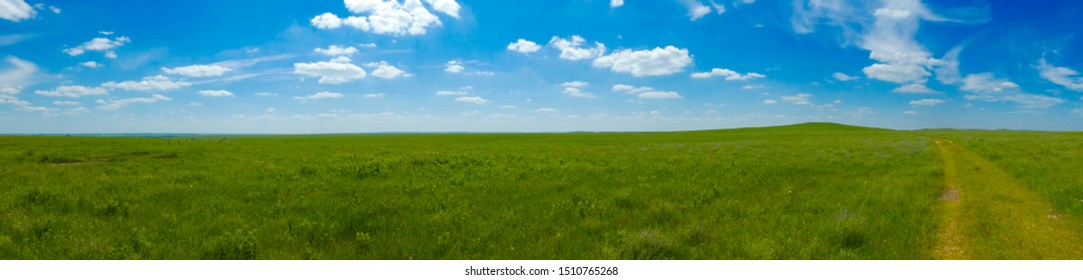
[810, 191]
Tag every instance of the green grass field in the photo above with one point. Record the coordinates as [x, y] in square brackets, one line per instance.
[810, 191]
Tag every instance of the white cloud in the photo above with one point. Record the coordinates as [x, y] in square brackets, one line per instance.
[215, 93]
[575, 84]
[447, 92]
[120, 103]
[54, 9]
[472, 99]
[729, 75]
[265, 93]
[16, 10]
[374, 95]
[914, 88]
[659, 95]
[481, 73]
[546, 110]
[572, 50]
[718, 8]
[886, 30]
[927, 102]
[751, 87]
[991, 89]
[616, 3]
[948, 70]
[387, 71]
[575, 92]
[1026, 101]
[336, 71]
[336, 50]
[13, 79]
[631, 89]
[71, 91]
[319, 95]
[986, 83]
[770, 101]
[656, 62]
[696, 9]
[524, 46]
[843, 77]
[393, 17]
[331, 21]
[454, 66]
[149, 83]
[91, 64]
[368, 45]
[1063, 76]
[198, 70]
[799, 99]
[67, 103]
[104, 45]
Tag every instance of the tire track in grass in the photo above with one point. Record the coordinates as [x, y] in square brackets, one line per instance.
[950, 245]
[987, 214]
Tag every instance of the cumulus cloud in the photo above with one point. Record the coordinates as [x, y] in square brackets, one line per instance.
[927, 102]
[198, 70]
[472, 99]
[656, 62]
[374, 95]
[14, 78]
[546, 110]
[215, 93]
[149, 83]
[616, 3]
[842, 77]
[91, 64]
[319, 95]
[631, 89]
[448, 92]
[1063, 76]
[120, 103]
[729, 75]
[696, 9]
[105, 45]
[799, 99]
[1025, 101]
[659, 95]
[392, 17]
[336, 50]
[454, 66]
[386, 71]
[335, 71]
[571, 49]
[67, 103]
[770, 101]
[71, 91]
[576, 84]
[16, 10]
[914, 88]
[991, 89]
[576, 92]
[986, 83]
[523, 46]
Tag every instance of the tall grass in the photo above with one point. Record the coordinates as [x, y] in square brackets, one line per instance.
[806, 192]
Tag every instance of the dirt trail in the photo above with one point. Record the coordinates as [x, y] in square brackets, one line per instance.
[987, 214]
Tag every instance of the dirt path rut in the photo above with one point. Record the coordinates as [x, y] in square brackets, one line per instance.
[987, 214]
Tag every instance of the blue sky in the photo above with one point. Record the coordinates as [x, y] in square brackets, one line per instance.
[601, 65]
